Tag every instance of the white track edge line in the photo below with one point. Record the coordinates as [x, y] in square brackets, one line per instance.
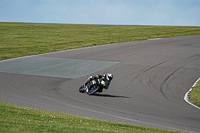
[186, 95]
[127, 119]
[71, 50]
[55, 52]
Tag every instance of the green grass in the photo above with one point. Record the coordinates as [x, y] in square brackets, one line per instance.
[15, 119]
[22, 39]
[194, 95]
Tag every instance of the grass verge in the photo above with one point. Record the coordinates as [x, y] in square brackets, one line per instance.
[24, 120]
[194, 95]
[22, 39]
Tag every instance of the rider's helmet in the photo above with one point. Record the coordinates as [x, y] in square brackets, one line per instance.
[109, 77]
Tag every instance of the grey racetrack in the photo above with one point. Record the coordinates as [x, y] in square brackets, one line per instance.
[151, 78]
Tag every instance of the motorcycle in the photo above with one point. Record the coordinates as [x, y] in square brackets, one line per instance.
[96, 85]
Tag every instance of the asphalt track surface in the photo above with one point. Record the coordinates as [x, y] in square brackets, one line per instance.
[151, 78]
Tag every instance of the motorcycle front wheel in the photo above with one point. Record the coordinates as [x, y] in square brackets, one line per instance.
[82, 89]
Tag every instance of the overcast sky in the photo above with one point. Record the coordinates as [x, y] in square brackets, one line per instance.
[123, 12]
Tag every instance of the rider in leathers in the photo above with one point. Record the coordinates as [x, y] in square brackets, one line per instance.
[106, 77]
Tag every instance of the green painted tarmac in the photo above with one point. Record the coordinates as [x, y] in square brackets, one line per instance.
[54, 67]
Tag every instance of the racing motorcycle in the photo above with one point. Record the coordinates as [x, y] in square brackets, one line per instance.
[96, 85]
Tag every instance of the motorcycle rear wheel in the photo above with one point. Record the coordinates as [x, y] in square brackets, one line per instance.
[93, 89]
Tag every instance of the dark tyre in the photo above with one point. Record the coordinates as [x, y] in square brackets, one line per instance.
[93, 89]
[82, 89]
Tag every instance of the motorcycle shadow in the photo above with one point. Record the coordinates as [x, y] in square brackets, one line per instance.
[108, 95]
